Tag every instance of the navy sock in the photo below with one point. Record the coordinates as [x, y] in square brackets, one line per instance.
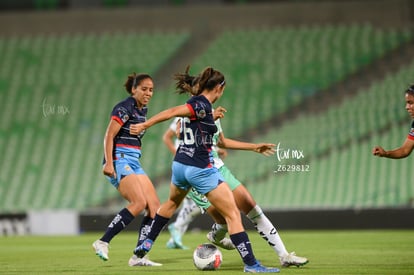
[156, 227]
[144, 229]
[120, 221]
[242, 243]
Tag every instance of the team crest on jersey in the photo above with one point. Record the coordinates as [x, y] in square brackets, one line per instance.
[201, 113]
[125, 118]
[123, 114]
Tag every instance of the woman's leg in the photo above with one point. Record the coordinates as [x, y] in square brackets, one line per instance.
[166, 210]
[130, 189]
[222, 199]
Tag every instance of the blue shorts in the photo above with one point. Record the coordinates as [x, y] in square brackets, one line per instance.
[202, 201]
[203, 180]
[125, 165]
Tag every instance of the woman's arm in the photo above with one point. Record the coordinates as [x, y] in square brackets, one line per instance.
[181, 111]
[111, 131]
[266, 149]
[168, 139]
[401, 152]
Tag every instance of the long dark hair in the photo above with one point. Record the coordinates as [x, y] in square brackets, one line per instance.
[185, 82]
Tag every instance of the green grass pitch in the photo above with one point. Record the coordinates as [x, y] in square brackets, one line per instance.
[329, 252]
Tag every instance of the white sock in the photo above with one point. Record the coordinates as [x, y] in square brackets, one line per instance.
[267, 231]
[188, 212]
[219, 231]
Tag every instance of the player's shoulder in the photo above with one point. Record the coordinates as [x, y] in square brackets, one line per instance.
[127, 103]
[197, 98]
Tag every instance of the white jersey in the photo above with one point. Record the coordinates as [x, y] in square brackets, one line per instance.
[173, 127]
[218, 162]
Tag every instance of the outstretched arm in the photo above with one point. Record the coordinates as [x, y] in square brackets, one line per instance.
[266, 149]
[398, 153]
[182, 111]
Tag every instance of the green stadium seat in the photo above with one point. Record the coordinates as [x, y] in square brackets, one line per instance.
[268, 71]
[54, 156]
[347, 176]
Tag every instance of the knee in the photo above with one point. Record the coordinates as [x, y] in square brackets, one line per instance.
[233, 216]
[152, 208]
[168, 208]
[136, 207]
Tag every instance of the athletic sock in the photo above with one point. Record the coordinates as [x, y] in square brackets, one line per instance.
[156, 227]
[144, 229]
[244, 247]
[119, 222]
[267, 231]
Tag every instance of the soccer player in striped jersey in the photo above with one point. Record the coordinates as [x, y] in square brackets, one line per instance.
[244, 199]
[193, 168]
[407, 147]
[122, 167]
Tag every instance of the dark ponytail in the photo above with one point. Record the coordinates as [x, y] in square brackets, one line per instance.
[185, 82]
[210, 78]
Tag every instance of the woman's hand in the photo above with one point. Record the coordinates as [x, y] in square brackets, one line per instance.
[219, 112]
[378, 151]
[108, 170]
[266, 149]
[136, 129]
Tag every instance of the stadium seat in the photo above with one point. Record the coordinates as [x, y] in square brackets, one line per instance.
[55, 156]
[337, 144]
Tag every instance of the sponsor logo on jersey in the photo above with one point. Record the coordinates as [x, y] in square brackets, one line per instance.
[201, 114]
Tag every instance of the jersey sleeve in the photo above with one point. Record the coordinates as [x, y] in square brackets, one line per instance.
[411, 133]
[120, 114]
[190, 107]
[197, 108]
[218, 124]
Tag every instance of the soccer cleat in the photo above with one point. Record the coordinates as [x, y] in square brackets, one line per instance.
[291, 259]
[101, 249]
[176, 237]
[135, 261]
[171, 244]
[258, 268]
[142, 249]
[225, 243]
